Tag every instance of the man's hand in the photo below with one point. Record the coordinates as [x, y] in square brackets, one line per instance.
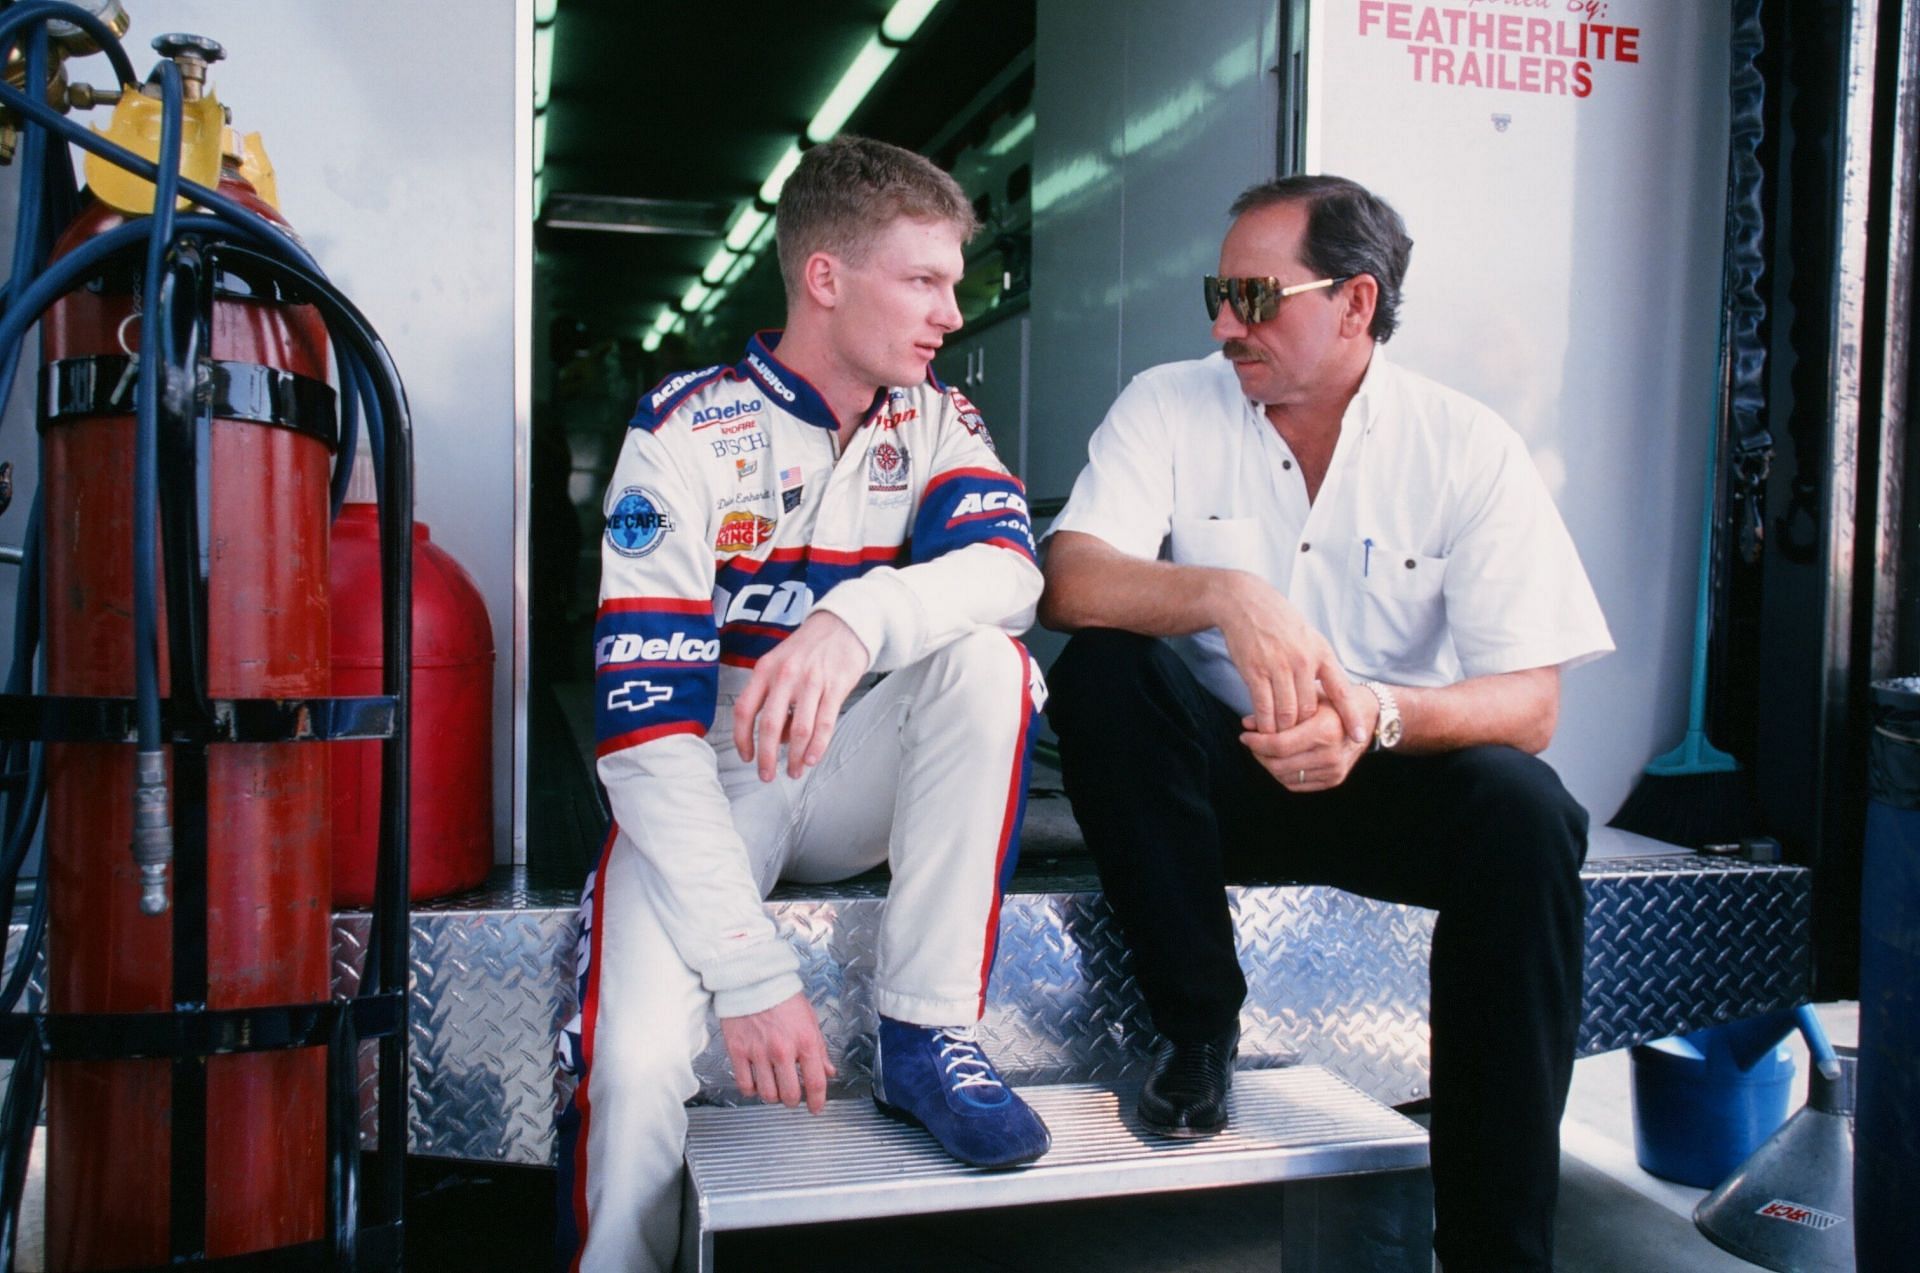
[1315, 755]
[778, 1055]
[1280, 658]
[795, 693]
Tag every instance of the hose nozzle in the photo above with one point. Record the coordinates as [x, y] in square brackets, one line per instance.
[152, 830]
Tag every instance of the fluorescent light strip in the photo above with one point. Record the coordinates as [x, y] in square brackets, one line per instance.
[752, 228]
[770, 188]
[664, 323]
[905, 18]
[545, 11]
[864, 71]
[717, 267]
[542, 66]
[1021, 130]
[650, 341]
[539, 141]
[714, 298]
[746, 224]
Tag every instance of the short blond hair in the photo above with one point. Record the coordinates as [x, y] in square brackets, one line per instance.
[847, 190]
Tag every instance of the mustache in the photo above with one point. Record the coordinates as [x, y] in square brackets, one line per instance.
[1241, 351]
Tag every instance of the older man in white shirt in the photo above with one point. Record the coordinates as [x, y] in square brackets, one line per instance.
[1322, 607]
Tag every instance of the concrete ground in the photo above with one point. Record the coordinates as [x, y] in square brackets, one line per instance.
[1613, 1217]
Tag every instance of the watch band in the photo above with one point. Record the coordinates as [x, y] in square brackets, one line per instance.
[1388, 729]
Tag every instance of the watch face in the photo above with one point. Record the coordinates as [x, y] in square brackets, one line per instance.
[1390, 731]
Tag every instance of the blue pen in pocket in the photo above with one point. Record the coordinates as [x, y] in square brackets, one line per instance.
[1366, 557]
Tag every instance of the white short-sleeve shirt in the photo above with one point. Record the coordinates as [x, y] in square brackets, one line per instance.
[1432, 552]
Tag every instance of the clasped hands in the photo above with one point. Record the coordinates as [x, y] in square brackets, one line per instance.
[1309, 722]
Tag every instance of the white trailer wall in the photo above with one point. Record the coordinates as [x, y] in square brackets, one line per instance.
[396, 129]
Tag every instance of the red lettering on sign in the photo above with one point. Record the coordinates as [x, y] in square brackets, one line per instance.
[1469, 47]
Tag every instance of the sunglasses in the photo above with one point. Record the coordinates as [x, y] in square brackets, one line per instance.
[1255, 300]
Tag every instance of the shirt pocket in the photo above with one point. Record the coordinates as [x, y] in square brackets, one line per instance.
[1229, 542]
[1396, 605]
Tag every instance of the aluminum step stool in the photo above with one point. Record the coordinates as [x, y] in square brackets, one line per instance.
[1355, 1193]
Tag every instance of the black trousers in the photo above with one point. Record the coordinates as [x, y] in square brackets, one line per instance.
[1173, 806]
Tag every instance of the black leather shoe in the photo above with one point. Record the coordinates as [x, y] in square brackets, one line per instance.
[1186, 1094]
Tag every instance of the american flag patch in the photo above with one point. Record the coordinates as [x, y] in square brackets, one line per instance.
[789, 477]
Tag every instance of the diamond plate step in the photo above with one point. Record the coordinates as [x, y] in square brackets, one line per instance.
[1675, 942]
[760, 1167]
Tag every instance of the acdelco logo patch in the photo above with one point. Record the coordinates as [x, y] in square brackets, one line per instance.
[774, 382]
[784, 605]
[981, 503]
[676, 384]
[631, 647]
[733, 410]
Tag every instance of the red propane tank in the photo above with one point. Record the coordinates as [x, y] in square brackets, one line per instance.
[108, 1155]
[451, 825]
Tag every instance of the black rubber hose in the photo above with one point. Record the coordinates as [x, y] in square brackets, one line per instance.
[386, 966]
[183, 297]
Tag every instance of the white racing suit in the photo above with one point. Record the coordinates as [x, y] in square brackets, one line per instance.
[729, 519]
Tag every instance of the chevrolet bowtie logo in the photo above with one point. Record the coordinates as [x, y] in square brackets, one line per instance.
[638, 696]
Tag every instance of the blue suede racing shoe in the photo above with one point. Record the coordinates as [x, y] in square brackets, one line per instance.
[941, 1080]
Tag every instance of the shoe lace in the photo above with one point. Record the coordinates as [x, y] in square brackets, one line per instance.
[963, 1061]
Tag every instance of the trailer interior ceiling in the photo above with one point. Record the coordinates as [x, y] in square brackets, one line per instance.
[689, 107]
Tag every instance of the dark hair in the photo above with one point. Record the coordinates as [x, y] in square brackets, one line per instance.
[1350, 230]
[848, 189]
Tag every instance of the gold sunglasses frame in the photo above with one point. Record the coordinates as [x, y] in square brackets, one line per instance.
[1232, 291]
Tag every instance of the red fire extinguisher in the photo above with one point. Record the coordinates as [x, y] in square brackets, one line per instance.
[264, 558]
[451, 760]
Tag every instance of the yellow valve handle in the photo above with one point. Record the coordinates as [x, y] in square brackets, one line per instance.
[136, 125]
[249, 155]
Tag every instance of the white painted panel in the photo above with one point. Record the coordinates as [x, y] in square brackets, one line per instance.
[1150, 118]
[1202, 110]
[1567, 272]
[1079, 100]
[988, 364]
[391, 124]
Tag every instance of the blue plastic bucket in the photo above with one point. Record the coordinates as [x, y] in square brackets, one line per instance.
[1705, 1101]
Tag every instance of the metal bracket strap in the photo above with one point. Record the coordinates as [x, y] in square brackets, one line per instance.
[72, 719]
[132, 1036]
[99, 384]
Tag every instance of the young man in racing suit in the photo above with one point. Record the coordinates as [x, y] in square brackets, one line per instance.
[779, 531]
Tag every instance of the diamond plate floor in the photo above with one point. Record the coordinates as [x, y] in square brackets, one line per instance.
[1675, 942]
[1613, 1217]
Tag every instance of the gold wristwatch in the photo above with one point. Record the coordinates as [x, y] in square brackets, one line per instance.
[1387, 730]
